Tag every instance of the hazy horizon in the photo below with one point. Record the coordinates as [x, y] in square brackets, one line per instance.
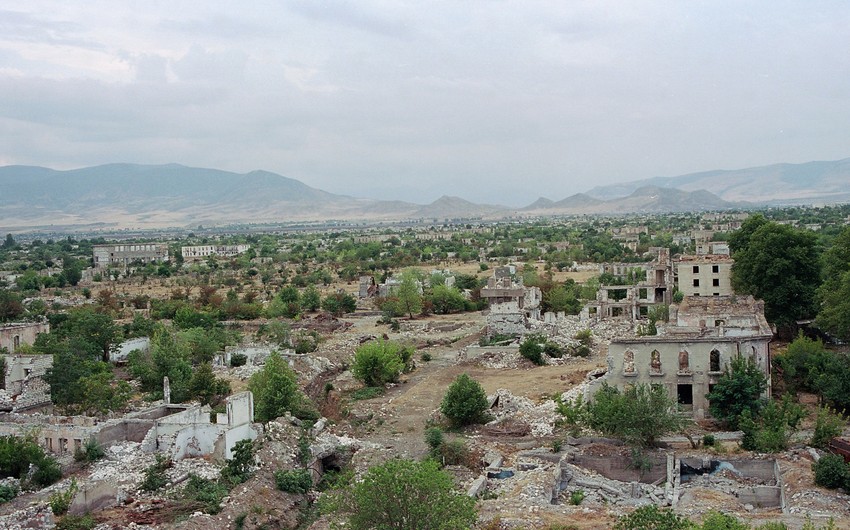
[410, 101]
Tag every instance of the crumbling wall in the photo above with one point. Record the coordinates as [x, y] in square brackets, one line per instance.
[24, 381]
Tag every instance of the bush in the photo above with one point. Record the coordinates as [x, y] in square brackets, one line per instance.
[828, 425]
[772, 430]
[719, 521]
[737, 390]
[637, 415]
[465, 401]
[76, 522]
[532, 350]
[17, 455]
[368, 392]
[426, 357]
[238, 359]
[237, 469]
[8, 493]
[90, 452]
[60, 501]
[379, 362]
[576, 497]
[708, 440]
[457, 453]
[276, 392]
[155, 477]
[434, 438]
[405, 495]
[293, 481]
[205, 491]
[831, 471]
[651, 517]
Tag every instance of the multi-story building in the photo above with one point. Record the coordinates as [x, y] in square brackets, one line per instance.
[122, 255]
[204, 251]
[705, 275]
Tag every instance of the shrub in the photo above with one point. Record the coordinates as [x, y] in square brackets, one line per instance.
[457, 453]
[17, 455]
[772, 430]
[238, 359]
[719, 521]
[651, 517]
[828, 425]
[76, 522]
[738, 390]
[205, 491]
[91, 451]
[576, 497]
[60, 501]
[237, 469]
[8, 492]
[708, 440]
[155, 477]
[434, 438]
[368, 392]
[379, 362]
[405, 495]
[293, 481]
[532, 350]
[276, 392]
[552, 349]
[426, 357]
[465, 401]
[830, 471]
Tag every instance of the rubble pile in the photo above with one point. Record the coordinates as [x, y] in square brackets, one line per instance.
[540, 418]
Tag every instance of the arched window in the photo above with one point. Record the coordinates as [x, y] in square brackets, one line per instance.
[714, 361]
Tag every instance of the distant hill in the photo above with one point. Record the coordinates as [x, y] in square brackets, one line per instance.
[154, 196]
[811, 182]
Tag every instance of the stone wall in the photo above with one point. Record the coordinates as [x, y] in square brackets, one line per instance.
[13, 336]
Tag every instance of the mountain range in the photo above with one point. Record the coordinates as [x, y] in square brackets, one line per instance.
[152, 196]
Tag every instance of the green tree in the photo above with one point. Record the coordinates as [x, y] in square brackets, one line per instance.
[407, 293]
[406, 495]
[339, 303]
[311, 299]
[91, 326]
[379, 362]
[778, 264]
[276, 391]
[102, 393]
[639, 415]
[9, 242]
[834, 294]
[739, 389]
[446, 300]
[11, 306]
[465, 401]
[206, 387]
[532, 349]
[168, 357]
[771, 431]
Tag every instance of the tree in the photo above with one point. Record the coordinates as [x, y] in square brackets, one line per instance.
[407, 293]
[102, 393]
[168, 357]
[206, 387]
[380, 362]
[339, 303]
[311, 299]
[639, 415]
[96, 328]
[72, 270]
[11, 306]
[276, 391]
[446, 300]
[532, 349]
[406, 495]
[778, 264]
[738, 390]
[465, 401]
[834, 294]
[9, 242]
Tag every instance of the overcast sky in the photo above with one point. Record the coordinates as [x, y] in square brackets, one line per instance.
[492, 101]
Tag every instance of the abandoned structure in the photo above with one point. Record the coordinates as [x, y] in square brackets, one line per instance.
[24, 387]
[15, 335]
[368, 287]
[124, 255]
[512, 304]
[705, 275]
[198, 252]
[654, 285]
[690, 353]
[181, 431]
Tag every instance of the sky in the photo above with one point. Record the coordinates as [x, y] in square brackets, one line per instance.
[494, 101]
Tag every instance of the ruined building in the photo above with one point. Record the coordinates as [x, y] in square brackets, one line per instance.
[690, 353]
[123, 255]
[512, 304]
[17, 334]
[23, 384]
[199, 252]
[705, 275]
[654, 285]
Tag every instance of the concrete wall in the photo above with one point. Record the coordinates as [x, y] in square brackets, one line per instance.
[24, 380]
[707, 273]
[621, 468]
[124, 349]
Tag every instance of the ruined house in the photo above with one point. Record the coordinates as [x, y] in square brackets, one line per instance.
[123, 255]
[690, 353]
[24, 387]
[199, 252]
[512, 305]
[654, 286]
[705, 275]
[15, 335]
[368, 287]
